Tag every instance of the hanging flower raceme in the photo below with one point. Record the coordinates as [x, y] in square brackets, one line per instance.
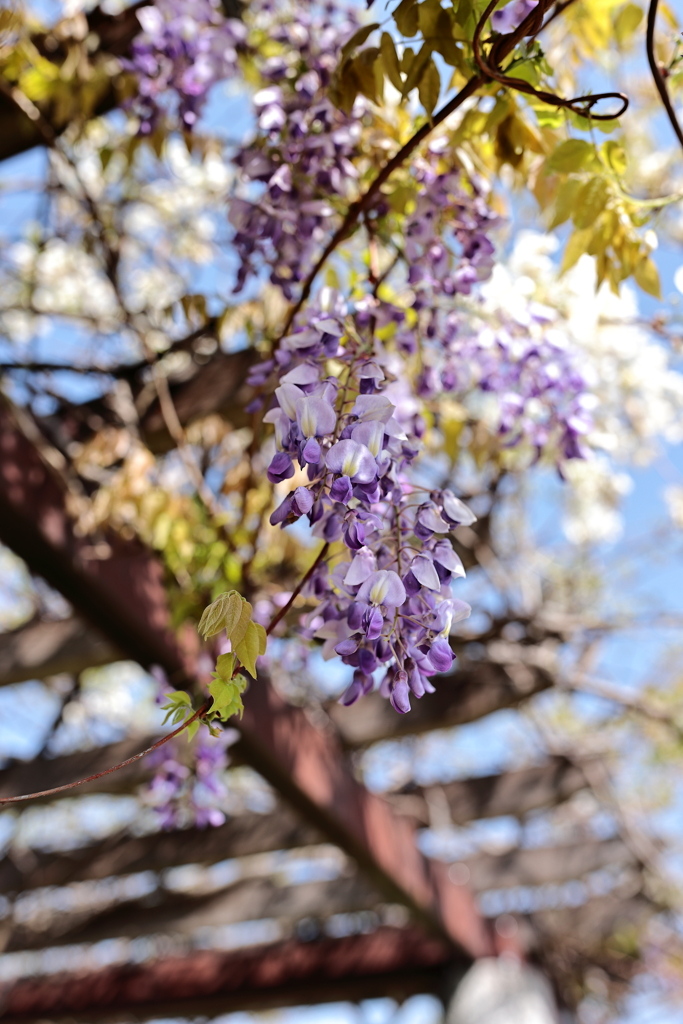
[537, 397]
[301, 158]
[183, 49]
[387, 603]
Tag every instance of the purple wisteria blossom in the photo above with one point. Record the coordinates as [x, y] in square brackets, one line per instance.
[507, 18]
[386, 608]
[180, 794]
[300, 162]
[184, 48]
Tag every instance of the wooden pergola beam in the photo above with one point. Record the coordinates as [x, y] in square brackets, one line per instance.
[123, 596]
[389, 962]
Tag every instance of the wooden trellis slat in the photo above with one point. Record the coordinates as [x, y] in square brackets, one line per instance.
[42, 649]
[391, 961]
[545, 865]
[179, 914]
[513, 793]
[492, 796]
[124, 854]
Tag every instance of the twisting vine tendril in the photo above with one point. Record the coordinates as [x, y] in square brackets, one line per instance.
[530, 26]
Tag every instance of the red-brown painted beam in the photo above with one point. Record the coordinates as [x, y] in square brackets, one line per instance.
[123, 596]
[390, 961]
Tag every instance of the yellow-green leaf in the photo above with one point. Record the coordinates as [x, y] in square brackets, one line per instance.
[626, 22]
[357, 39]
[250, 648]
[406, 17]
[225, 666]
[236, 627]
[590, 202]
[647, 276]
[565, 202]
[417, 68]
[213, 617]
[427, 16]
[390, 61]
[429, 88]
[569, 156]
[262, 638]
[614, 155]
[576, 247]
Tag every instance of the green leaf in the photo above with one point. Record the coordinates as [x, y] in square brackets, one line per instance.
[178, 708]
[225, 666]
[590, 202]
[547, 116]
[213, 618]
[565, 202]
[357, 39]
[250, 648]
[406, 17]
[262, 638]
[428, 17]
[429, 88]
[576, 247]
[417, 68]
[569, 156]
[390, 61]
[236, 625]
[614, 155]
[227, 697]
[626, 22]
[647, 276]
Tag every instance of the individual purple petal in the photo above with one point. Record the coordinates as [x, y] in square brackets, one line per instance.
[399, 693]
[373, 621]
[342, 490]
[411, 584]
[441, 655]
[304, 373]
[311, 452]
[355, 615]
[428, 516]
[383, 587]
[289, 396]
[373, 407]
[352, 692]
[280, 468]
[424, 572]
[363, 564]
[302, 501]
[282, 512]
[456, 510]
[446, 556]
[352, 459]
[371, 434]
[461, 610]
[314, 416]
[348, 646]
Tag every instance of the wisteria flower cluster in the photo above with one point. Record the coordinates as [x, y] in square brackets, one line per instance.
[302, 155]
[542, 399]
[183, 49]
[179, 794]
[447, 248]
[387, 605]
